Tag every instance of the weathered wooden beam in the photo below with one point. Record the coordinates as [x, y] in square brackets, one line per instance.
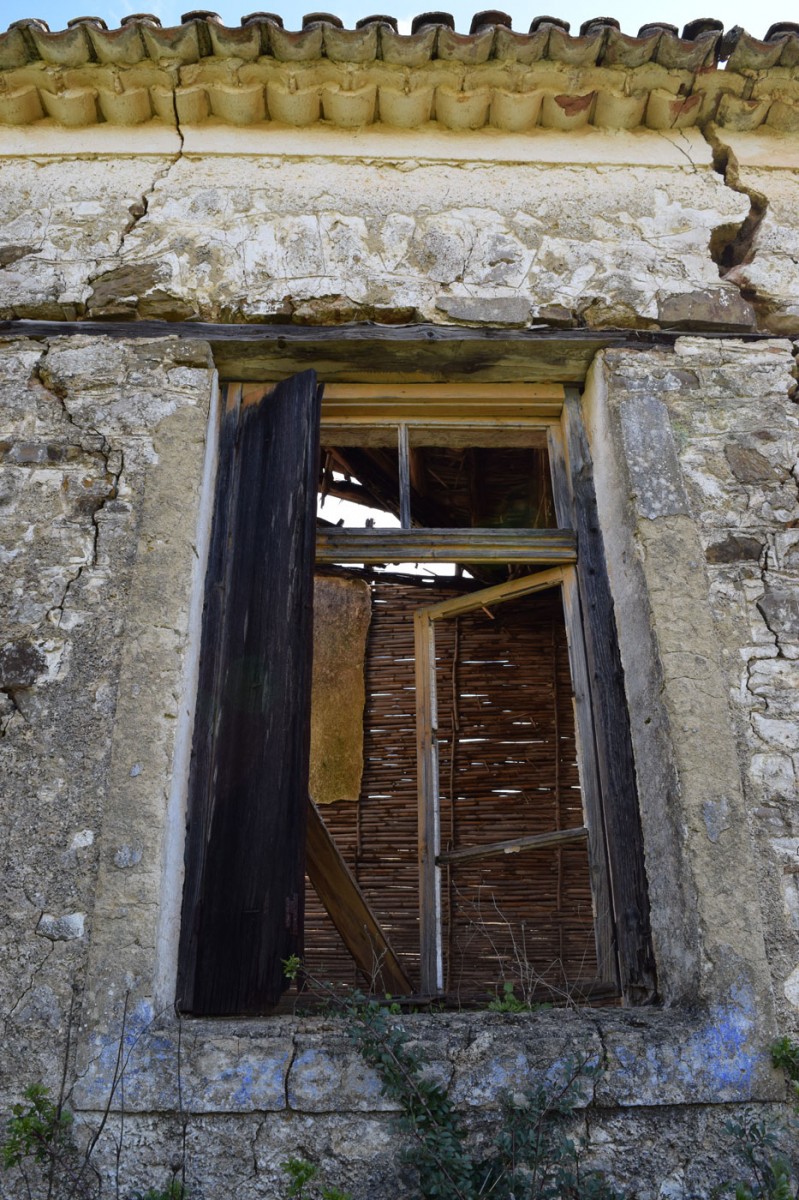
[534, 841]
[614, 753]
[368, 352]
[604, 923]
[268, 331]
[511, 589]
[543, 547]
[350, 911]
[431, 960]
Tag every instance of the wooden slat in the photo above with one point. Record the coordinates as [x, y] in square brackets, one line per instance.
[614, 755]
[534, 546]
[486, 597]
[457, 393]
[243, 900]
[349, 910]
[404, 473]
[534, 841]
[431, 962]
[604, 922]
[424, 411]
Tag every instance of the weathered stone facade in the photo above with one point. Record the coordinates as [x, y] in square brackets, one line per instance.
[106, 473]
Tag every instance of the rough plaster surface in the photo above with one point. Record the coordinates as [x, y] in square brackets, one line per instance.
[102, 467]
[315, 239]
[83, 423]
[187, 225]
[711, 540]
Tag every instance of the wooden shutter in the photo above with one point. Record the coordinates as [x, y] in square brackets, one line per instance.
[243, 895]
[575, 503]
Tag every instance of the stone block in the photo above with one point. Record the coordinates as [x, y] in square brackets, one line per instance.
[655, 475]
[487, 310]
[707, 308]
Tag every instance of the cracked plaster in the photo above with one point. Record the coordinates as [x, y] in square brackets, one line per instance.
[87, 567]
[321, 238]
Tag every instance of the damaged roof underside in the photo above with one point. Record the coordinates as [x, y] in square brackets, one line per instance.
[202, 71]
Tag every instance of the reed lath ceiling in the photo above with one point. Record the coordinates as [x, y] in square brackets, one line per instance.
[494, 76]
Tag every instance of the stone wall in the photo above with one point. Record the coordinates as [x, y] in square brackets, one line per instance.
[598, 230]
[83, 421]
[106, 475]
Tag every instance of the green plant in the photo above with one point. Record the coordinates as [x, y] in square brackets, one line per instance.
[37, 1129]
[756, 1141]
[302, 1175]
[785, 1054]
[535, 1156]
[175, 1190]
[509, 1002]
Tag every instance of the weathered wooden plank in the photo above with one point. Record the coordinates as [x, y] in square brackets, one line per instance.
[604, 920]
[368, 352]
[243, 911]
[534, 546]
[486, 597]
[201, 792]
[534, 841]
[349, 910]
[353, 395]
[604, 923]
[614, 755]
[404, 471]
[431, 963]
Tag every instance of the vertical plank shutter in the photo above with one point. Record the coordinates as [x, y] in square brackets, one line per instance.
[243, 895]
[614, 753]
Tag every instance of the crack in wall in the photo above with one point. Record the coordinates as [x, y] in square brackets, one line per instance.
[138, 211]
[96, 445]
[732, 244]
[8, 1016]
[286, 1103]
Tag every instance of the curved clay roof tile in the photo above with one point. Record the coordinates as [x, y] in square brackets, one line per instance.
[596, 23]
[433, 18]
[321, 18]
[695, 29]
[141, 18]
[378, 20]
[538, 22]
[488, 19]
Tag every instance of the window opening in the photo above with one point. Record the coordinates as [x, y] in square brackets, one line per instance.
[457, 860]
[506, 769]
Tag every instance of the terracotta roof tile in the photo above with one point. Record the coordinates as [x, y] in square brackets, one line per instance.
[260, 71]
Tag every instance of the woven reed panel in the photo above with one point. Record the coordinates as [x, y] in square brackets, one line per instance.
[507, 769]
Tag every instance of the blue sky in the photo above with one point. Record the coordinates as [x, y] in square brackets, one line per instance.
[631, 15]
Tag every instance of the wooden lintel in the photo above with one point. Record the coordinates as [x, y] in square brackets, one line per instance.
[541, 547]
[535, 841]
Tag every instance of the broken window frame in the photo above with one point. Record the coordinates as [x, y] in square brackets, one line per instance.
[607, 772]
[604, 746]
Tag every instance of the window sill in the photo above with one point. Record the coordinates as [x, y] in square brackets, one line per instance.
[653, 1057]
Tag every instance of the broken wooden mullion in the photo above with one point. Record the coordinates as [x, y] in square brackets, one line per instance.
[604, 915]
[350, 911]
[534, 841]
[431, 959]
[403, 459]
